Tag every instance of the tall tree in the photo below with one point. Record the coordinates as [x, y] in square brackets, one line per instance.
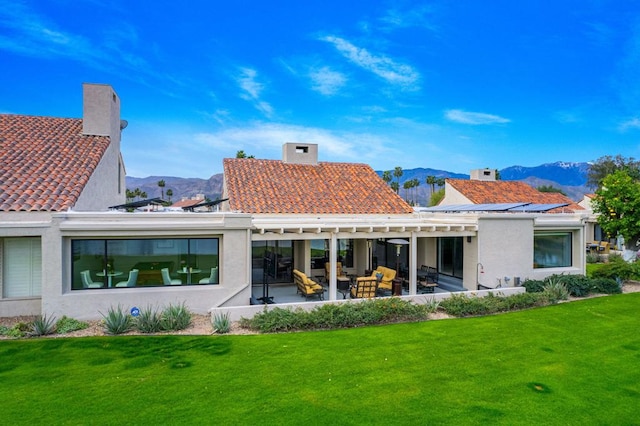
[550, 188]
[386, 176]
[169, 193]
[431, 181]
[395, 186]
[416, 184]
[397, 173]
[241, 154]
[607, 165]
[161, 184]
[440, 182]
[407, 185]
[436, 197]
[617, 203]
[130, 195]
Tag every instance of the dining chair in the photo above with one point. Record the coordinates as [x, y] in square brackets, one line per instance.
[131, 282]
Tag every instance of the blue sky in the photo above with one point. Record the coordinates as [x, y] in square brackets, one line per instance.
[451, 85]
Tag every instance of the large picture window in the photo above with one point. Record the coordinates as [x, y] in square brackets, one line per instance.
[552, 249]
[144, 262]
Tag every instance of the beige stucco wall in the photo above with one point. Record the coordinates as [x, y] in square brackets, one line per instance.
[232, 230]
[106, 186]
[453, 196]
[505, 246]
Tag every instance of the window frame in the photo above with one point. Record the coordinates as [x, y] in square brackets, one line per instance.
[546, 257]
[110, 261]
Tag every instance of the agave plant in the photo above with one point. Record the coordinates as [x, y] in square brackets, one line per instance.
[43, 326]
[175, 317]
[221, 323]
[117, 321]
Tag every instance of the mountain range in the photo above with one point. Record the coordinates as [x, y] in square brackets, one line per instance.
[569, 177]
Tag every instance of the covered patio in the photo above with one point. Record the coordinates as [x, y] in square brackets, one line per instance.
[403, 244]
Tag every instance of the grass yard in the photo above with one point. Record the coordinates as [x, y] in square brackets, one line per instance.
[572, 364]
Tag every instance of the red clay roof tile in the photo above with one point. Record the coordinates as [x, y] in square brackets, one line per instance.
[508, 191]
[273, 186]
[45, 162]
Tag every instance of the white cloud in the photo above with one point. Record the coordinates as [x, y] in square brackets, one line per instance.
[633, 123]
[28, 33]
[417, 17]
[265, 140]
[326, 81]
[251, 90]
[395, 73]
[467, 117]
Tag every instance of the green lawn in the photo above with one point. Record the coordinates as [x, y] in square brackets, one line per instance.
[571, 364]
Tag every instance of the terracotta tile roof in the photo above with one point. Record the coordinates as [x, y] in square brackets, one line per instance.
[45, 162]
[187, 203]
[508, 191]
[272, 186]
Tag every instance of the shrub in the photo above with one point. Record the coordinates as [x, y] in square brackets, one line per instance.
[43, 326]
[577, 285]
[117, 321]
[67, 325]
[607, 285]
[175, 317]
[328, 316]
[555, 290]
[19, 329]
[460, 305]
[534, 286]
[592, 258]
[149, 320]
[617, 268]
[221, 323]
[274, 320]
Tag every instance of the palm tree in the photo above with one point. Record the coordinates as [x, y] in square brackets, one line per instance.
[161, 185]
[395, 186]
[241, 154]
[397, 173]
[408, 184]
[431, 181]
[169, 193]
[440, 182]
[130, 195]
[386, 176]
[416, 184]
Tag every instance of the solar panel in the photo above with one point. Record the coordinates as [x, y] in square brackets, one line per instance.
[497, 207]
[532, 208]
[141, 203]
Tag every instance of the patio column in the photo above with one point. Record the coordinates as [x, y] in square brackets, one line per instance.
[413, 262]
[333, 259]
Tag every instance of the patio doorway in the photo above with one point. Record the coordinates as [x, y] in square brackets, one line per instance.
[450, 256]
[271, 263]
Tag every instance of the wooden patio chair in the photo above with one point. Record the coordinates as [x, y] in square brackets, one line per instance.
[365, 287]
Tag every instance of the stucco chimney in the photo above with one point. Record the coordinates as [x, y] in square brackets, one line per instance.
[483, 174]
[100, 110]
[300, 153]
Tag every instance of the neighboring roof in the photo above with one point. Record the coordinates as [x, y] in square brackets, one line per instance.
[273, 186]
[45, 162]
[188, 202]
[508, 191]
